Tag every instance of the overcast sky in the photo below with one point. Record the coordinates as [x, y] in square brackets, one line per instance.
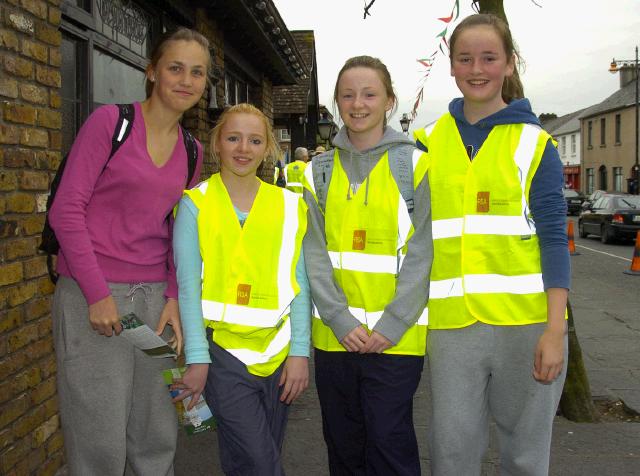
[567, 46]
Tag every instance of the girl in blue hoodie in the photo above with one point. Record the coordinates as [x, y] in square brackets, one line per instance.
[500, 274]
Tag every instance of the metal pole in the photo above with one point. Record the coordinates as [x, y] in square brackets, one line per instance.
[637, 174]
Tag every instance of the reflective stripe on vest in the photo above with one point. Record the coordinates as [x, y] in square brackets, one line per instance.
[486, 252]
[366, 244]
[249, 271]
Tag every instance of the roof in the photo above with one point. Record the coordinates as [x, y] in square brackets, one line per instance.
[564, 124]
[293, 99]
[623, 97]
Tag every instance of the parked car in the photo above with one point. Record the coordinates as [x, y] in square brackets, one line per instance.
[611, 217]
[590, 200]
[574, 200]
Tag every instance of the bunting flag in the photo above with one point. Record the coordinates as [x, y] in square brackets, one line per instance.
[428, 62]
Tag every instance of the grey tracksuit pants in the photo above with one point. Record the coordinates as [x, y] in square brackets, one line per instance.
[483, 371]
[115, 409]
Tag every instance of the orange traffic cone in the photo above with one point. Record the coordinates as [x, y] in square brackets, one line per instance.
[635, 261]
[572, 244]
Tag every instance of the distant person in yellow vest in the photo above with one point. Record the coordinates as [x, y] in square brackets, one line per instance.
[497, 334]
[368, 256]
[244, 295]
[295, 170]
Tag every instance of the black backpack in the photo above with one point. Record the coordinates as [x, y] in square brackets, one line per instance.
[126, 114]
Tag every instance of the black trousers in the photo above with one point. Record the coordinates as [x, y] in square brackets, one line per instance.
[367, 412]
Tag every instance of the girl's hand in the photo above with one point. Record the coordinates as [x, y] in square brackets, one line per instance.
[549, 356]
[104, 317]
[191, 384]
[171, 315]
[377, 344]
[355, 340]
[295, 378]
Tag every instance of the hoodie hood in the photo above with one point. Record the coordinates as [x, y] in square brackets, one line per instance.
[390, 138]
[517, 111]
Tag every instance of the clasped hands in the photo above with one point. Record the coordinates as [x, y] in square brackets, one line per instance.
[359, 340]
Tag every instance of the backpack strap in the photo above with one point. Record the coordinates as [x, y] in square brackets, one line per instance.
[322, 168]
[400, 163]
[192, 154]
[126, 115]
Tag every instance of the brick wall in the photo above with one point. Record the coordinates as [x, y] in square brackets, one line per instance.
[30, 139]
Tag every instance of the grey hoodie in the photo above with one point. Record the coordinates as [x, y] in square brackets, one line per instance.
[412, 289]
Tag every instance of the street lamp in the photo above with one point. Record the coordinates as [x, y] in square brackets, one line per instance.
[613, 68]
[404, 123]
[324, 127]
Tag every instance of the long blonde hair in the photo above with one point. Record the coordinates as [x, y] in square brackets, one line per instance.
[272, 150]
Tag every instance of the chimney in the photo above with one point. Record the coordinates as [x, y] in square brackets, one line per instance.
[628, 73]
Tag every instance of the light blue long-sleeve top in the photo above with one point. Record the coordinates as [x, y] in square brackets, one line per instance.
[186, 254]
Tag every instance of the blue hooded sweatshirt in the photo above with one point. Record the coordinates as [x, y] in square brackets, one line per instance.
[548, 206]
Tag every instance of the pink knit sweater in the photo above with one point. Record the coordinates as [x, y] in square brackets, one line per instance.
[112, 226]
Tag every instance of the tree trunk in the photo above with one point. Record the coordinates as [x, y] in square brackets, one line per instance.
[576, 403]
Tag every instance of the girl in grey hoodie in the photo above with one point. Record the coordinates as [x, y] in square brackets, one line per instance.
[368, 254]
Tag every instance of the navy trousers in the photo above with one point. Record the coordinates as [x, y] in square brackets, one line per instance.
[367, 412]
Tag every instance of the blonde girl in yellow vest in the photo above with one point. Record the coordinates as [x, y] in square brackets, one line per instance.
[244, 295]
[500, 274]
[368, 262]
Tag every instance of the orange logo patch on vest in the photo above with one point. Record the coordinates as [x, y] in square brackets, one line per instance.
[359, 239]
[243, 294]
[483, 202]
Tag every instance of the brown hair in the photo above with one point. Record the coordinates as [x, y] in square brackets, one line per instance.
[512, 87]
[272, 151]
[181, 34]
[376, 65]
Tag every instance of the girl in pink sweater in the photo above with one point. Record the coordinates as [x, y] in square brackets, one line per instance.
[113, 225]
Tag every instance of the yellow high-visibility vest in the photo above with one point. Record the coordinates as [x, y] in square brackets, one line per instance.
[486, 263]
[366, 242]
[293, 175]
[248, 275]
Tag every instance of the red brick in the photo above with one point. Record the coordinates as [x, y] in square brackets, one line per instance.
[21, 203]
[28, 422]
[37, 7]
[8, 87]
[13, 410]
[35, 50]
[31, 224]
[36, 267]
[6, 438]
[52, 465]
[55, 56]
[20, 248]
[22, 337]
[10, 273]
[49, 119]
[55, 139]
[34, 137]
[49, 369]
[13, 455]
[48, 76]
[47, 159]
[22, 293]
[45, 431]
[17, 157]
[9, 40]
[54, 15]
[55, 442]
[9, 134]
[48, 34]
[31, 180]
[18, 66]
[34, 94]
[8, 180]
[56, 100]
[10, 319]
